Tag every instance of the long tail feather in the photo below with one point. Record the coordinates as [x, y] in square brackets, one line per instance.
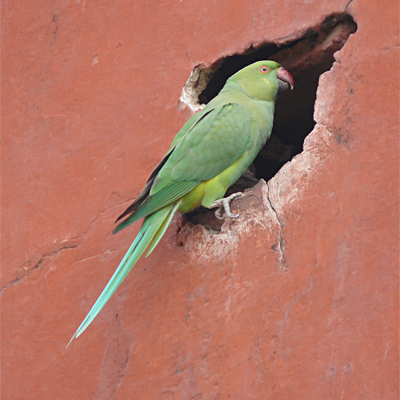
[154, 227]
[161, 230]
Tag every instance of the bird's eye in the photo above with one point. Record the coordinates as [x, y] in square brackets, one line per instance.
[264, 69]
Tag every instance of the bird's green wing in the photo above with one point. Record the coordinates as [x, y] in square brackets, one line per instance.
[217, 139]
[145, 192]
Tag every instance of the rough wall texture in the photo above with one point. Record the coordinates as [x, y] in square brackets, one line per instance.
[296, 299]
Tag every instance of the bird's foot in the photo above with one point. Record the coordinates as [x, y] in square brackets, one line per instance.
[223, 204]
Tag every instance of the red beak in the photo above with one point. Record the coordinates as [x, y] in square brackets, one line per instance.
[285, 76]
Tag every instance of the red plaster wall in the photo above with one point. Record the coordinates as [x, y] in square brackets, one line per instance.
[90, 96]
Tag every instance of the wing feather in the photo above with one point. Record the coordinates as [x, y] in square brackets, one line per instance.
[210, 145]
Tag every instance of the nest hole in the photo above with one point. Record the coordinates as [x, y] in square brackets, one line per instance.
[306, 58]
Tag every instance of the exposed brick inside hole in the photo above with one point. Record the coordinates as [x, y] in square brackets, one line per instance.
[306, 58]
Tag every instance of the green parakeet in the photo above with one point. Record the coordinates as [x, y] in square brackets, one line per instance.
[212, 150]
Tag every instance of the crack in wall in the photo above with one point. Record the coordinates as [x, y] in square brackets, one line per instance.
[66, 244]
[115, 362]
[348, 5]
[41, 261]
[123, 369]
[280, 245]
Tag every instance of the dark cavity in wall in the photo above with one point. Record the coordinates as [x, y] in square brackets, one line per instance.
[306, 58]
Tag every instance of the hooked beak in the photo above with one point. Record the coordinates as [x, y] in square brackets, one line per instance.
[284, 79]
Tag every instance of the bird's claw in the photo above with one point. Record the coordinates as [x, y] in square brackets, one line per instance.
[223, 204]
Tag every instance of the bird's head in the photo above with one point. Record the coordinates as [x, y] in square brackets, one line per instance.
[263, 80]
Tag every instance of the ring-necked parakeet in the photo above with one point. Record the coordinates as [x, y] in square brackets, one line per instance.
[212, 150]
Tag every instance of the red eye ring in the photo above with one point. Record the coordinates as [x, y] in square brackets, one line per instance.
[264, 69]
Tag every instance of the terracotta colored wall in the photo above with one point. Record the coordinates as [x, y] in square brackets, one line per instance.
[90, 96]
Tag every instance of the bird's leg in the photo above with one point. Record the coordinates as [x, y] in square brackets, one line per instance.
[224, 204]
